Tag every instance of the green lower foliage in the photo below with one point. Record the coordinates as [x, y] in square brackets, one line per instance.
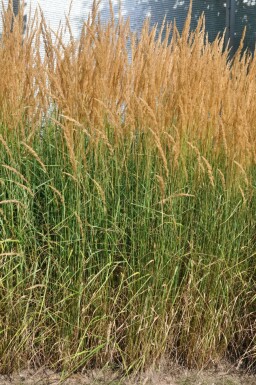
[117, 262]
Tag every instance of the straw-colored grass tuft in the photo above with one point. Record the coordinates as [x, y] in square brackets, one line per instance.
[127, 202]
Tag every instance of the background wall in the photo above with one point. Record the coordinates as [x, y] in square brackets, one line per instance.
[4, 3]
[245, 16]
[137, 10]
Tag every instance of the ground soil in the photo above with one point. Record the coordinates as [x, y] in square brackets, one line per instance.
[161, 376]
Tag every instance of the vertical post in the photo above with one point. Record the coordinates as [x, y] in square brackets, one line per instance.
[15, 10]
[15, 7]
[230, 24]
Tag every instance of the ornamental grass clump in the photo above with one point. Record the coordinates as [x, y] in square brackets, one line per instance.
[127, 197]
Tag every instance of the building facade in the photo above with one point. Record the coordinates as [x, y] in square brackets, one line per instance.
[229, 15]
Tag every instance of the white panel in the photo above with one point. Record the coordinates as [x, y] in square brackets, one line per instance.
[5, 2]
[56, 11]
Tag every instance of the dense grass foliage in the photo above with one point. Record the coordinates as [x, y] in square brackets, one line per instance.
[127, 199]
